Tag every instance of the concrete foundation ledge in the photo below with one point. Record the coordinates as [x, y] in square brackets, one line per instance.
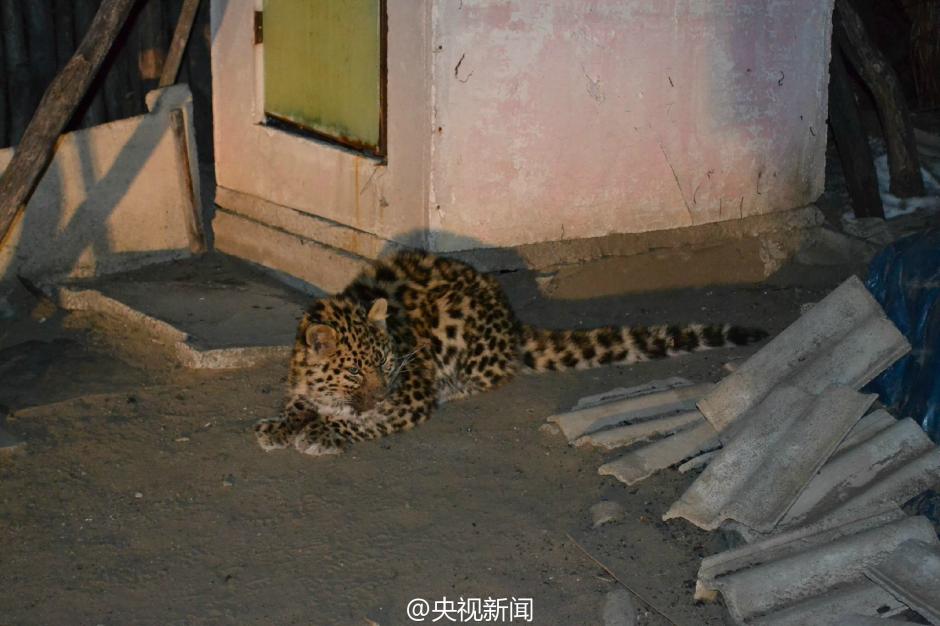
[328, 254]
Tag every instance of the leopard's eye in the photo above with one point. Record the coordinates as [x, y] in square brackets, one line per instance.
[353, 370]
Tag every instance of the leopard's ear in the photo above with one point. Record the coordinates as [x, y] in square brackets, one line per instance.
[378, 312]
[321, 338]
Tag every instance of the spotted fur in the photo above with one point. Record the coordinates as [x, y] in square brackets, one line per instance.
[417, 330]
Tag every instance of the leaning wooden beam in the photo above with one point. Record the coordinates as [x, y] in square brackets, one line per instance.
[35, 150]
[852, 142]
[879, 76]
[178, 44]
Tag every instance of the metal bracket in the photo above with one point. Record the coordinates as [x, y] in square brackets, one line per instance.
[259, 27]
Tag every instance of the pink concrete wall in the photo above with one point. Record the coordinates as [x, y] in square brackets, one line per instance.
[575, 118]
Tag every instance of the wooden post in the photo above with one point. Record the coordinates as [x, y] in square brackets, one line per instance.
[56, 107]
[903, 163]
[852, 142]
[178, 44]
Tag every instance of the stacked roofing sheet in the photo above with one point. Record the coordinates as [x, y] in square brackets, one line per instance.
[802, 473]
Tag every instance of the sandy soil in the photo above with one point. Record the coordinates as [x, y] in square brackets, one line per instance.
[143, 499]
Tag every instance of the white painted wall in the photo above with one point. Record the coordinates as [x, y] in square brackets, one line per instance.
[313, 176]
[516, 121]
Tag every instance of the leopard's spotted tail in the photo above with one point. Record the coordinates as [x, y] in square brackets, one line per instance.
[554, 350]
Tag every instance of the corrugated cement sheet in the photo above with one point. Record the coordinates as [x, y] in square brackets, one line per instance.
[853, 476]
[784, 571]
[845, 339]
[912, 573]
[780, 445]
[632, 406]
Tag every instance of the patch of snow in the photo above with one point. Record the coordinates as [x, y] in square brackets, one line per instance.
[893, 205]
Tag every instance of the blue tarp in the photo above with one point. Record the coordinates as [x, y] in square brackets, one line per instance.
[905, 279]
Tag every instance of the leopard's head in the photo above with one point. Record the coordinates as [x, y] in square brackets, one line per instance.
[343, 357]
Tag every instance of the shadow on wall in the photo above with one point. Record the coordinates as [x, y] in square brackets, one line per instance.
[116, 196]
[97, 210]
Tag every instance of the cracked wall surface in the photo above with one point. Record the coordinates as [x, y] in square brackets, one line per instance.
[577, 119]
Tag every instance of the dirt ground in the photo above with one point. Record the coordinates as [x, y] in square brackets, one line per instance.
[142, 497]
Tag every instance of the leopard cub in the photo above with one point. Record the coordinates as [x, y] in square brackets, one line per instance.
[417, 330]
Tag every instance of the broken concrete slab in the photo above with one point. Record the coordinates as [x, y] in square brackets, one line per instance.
[212, 312]
[644, 404]
[851, 472]
[845, 339]
[799, 566]
[645, 461]
[782, 443]
[620, 436]
[860, 601]
[912, 573]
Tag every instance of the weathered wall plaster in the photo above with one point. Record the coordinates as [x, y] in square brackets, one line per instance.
[514, 123]
[315, 177]
[115, 197]
[572, 119]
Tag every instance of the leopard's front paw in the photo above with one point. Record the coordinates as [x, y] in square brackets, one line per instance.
[272, 434]
[314, 440]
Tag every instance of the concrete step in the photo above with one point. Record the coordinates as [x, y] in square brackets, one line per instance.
[209, 312]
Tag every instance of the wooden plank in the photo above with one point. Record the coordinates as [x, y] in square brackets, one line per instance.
[875, 69]
[178, 45]
[852, 142]
[193, 217]
[35, 151]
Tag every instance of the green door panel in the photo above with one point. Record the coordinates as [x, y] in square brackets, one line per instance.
[323, 68]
